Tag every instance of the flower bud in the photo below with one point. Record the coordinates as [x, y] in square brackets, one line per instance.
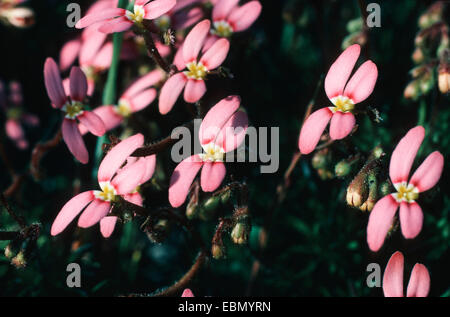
[19, 261]
[320, 159]
[418, 56]
[412, 90]
[444, 78]
[218, 251]
[373, 193]
[192, 207]
[432, 15]
[426, 83]
[239, 234]
[342, 168]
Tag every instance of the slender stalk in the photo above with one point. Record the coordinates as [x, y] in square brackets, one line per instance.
[20, 221]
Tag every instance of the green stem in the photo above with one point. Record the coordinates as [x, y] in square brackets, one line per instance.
[422, 112]
[109, 94]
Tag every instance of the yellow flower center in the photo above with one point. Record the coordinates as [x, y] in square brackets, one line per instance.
[222, 29]
[196, 70]
[137, 15]
[405, 192]
[123, 108]
[342, 104]
[73, 109]
[213, 153]
[163, 22]
[108, 192]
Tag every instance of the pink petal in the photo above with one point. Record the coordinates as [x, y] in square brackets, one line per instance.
[380, 221]
[103, 58]
[222, 9]
[117, 156]
[134, 198]
[108, 115]
[170, 92]
[143, 99]
[404, 153]
[116, 25]
[78, 84]
[194, 41]
[212, 176]
[312, 130]
[14, 130]
[142, 83]
[217, 117]
[233, 132]
[91, 46]
[182, 178]
[92, 122]
[362, 82]
[129, 177]
[411, 219]
[150, 165]
[215, 56]
[157, 8]
[178, 59]
[242, 18]
[419, 282]
[209, 42]
[74, 141]
[97, 210]
[393, 276]
[53, 83]
[69, 53]
[194, 91]
[341, 125]
[429, 172]
[107, 225]
[185, 19]
[98, 16]
[187, 292]
[340, 71]
[30, 119]
[70, 210]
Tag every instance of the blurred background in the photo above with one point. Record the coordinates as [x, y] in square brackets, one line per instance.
[316, 244]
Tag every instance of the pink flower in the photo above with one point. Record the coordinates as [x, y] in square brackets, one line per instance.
[193, 77]
[181, 16]
[72, 106]
[222, 130]
[424, 178]
[92, 49]
[15, 114]
[229, 18]
[114, 181]
[119, 20]
[137, 97]
[344, 95]
[187, 293]
[419, 282]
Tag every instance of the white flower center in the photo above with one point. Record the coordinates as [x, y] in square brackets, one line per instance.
[123, 108]
[405, 192]
[342, 104]
[222, 28]
[138, 14]
[73, 109]
[213, 153]
[163, 22]
[196, 70]
[108, 192]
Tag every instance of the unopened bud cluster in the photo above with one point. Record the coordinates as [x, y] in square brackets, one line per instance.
[430, 54]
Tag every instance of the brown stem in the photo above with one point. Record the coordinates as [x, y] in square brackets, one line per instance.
[176, 288]
[20, 221]
[159, 146]
[39, 150]
[151, 47]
